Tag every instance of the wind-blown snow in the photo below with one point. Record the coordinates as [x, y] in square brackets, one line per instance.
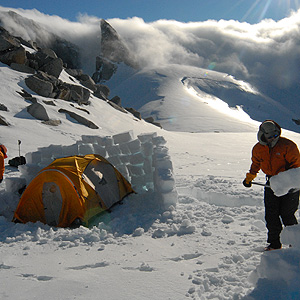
[208, 245]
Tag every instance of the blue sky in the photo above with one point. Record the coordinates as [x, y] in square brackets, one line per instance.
[251, 11]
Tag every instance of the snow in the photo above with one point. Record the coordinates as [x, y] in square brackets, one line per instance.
[200, 236]
[285, 181]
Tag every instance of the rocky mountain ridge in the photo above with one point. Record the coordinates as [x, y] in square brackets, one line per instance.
[45, 67]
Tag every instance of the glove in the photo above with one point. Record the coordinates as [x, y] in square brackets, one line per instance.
[248, 180]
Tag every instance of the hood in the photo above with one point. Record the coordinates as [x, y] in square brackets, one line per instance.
[261, 133]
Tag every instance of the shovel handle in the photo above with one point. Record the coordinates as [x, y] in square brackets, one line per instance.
[262, 184]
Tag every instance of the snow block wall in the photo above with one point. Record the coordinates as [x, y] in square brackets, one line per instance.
[144, 161]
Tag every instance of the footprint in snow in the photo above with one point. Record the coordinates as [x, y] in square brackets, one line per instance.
[39, 278]
[92, 266]
[186, 257]
[143, 267]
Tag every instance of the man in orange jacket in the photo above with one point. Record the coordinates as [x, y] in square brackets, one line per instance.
[3, 155]
[274, 154]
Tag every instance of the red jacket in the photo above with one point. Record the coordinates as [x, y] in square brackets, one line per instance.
[2, 165]
[283, 156]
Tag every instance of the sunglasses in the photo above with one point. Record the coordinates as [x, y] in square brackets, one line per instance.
[272, 137]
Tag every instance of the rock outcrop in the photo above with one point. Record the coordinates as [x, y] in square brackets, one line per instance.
[113, 51]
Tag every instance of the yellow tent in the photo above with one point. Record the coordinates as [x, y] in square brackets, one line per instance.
[72, 188]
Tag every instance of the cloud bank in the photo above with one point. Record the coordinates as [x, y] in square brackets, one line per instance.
[266, 54]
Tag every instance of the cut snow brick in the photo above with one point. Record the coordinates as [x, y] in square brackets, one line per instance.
[105, 141]
[100, 150]
[113, 150]
[124, 149]
[70, 150]
[136, 159]
[124, 137]
[147, 137]
[147, 149]
[84, 149]
[89, 139]
[114, 160]
[159, 140]
[33, 157]
[135, 170]
[134, 146]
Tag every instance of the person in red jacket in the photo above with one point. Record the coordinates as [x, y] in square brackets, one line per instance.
[3, 155]
[274, 154]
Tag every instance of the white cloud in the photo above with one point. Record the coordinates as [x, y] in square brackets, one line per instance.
[267, 51]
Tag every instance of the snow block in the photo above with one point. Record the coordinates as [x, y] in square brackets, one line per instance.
[100, 150]
[13, 184]
[33, 157]
[114, 160]
[124, 149]
[136, 159]
[134, 146]
[84, 149]
[90, 139]
[113, 150]
[105, 141]
[135, 170]
[147, 149]
[70, 150]
[124, 137]
[159, 140]
[147, 137]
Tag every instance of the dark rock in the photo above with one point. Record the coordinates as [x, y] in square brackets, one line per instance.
[79, 119]
[14, 55]
[3, 107]
[3, 121]
[22, 68]
[116, 100]
[50, 102]
[104, 70]
[7, 41]
[151, 120]
[134, 112]
[74, 72]
[88, 82]
[38, 111]
[53, 67]
[52, 122]
[40, 86]
[116, 106]
[112, 46]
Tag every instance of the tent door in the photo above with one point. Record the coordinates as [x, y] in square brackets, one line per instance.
[52, 201]
[104, 180]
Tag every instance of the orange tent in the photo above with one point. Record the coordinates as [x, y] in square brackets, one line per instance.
[72, 188]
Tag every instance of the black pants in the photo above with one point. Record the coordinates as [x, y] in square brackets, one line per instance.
[277, 208]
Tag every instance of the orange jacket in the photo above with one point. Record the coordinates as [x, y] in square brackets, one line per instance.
[2, 165]
[283, 156]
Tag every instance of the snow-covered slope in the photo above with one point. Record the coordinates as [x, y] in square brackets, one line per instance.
[207, 246]
[186, 98]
